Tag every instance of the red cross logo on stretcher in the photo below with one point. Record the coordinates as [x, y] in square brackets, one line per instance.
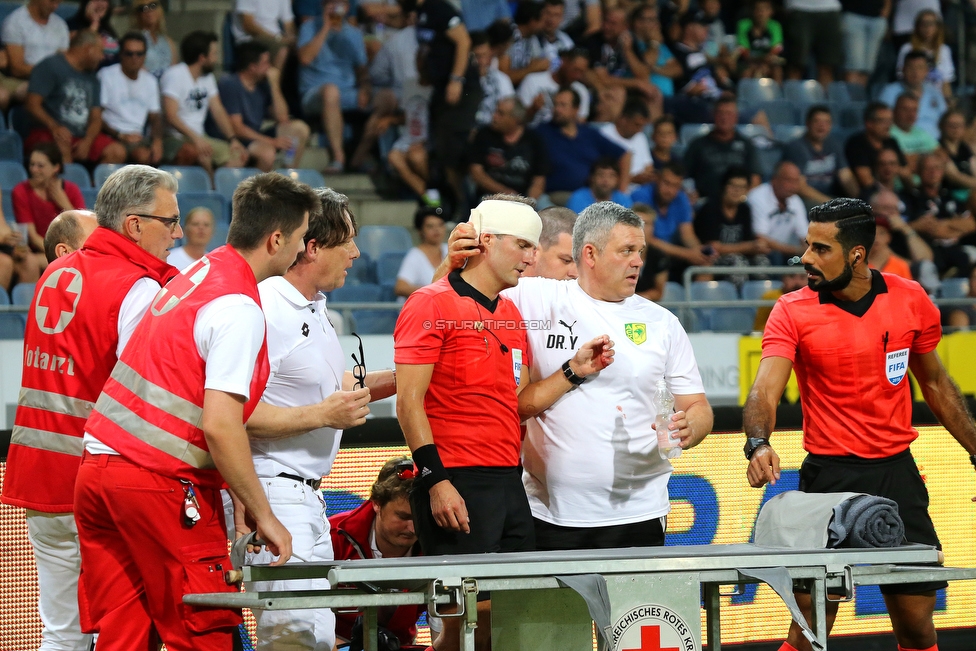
[180, 287]
[655, 627]
[650, 637]
[56, 300]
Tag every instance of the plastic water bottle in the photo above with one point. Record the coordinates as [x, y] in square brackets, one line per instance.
[289, 158]
[668, 445]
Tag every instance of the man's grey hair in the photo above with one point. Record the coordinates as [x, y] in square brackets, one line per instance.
[594, 224]
[130, 190]
[556, 220]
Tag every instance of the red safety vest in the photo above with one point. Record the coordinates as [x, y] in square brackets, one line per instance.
[151, 407]
[69, 351]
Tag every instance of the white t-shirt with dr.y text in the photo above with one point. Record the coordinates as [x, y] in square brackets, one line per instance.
[591, 460]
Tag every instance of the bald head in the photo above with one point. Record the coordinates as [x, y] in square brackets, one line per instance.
[68, 232]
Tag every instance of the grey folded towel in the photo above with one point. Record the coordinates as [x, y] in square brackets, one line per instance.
[866, 521]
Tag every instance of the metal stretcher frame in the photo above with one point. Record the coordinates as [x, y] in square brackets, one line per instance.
[685, 573]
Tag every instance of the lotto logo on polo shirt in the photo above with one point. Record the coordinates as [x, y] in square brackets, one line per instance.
[180, 287]
[896, 365]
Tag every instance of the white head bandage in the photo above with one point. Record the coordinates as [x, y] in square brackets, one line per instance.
[506, 218]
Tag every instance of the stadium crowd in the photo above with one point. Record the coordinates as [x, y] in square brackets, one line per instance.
[569, 102]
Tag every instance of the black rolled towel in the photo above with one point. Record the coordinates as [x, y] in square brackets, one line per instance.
[866, 521]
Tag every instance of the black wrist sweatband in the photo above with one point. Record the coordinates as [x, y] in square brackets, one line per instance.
[430, 470]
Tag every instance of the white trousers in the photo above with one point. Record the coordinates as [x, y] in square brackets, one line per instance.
[301, 509]
[54, 537]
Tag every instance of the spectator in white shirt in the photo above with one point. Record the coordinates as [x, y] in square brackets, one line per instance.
[30, 33]
[779, 216]
[538, 88]
[130, 100]
[628, 132]
[189, 91]
[269, 22]
[417, 268]
[198, 230]
[495, 84]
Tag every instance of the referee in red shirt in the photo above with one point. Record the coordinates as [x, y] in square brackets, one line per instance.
[851, 336]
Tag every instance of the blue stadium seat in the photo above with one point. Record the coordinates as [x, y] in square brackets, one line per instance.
[733, 319]
[842, 91]
[102, 172]
[374, 322]
[215, 202]
[22, 294]
[753, 290]
[312, 178]
[780, 111]
[954, 288]
[376, 240]
[11, 147]
[785, 133]
[362, 272]
[89, 195]
[77, 174]
[691, 131]
[226, 179]
[190, 178]
[219, 236]
[711, 290]
[849, 115]
[751, 91]
[363, 293]
[768, 157]
[11, 174]
[67, 9]
[11, 325]
[804, 91]
[673, 291]
[387, 267]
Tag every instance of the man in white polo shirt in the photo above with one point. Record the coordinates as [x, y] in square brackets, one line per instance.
[309, 400]
[592, 472]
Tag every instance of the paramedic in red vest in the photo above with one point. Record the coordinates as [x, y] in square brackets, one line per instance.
[167, 432]
[85, 308]
[382, 527]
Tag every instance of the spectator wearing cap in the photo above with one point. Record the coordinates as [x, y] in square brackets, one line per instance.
[507, 158]
[574, 147]
[709, 156]
[537, 89]
[911, 138]
[333, 76]
[821, 160]
[931, 101]
[420, 262]
[813, 27]
[628, 132]
[524, 55]
[604, 179]
[130, 102]
[889, 224]
[861, 149]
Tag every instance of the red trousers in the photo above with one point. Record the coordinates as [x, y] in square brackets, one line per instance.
[138, 559]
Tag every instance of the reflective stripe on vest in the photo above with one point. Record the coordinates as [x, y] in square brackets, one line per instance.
[150, 434]
[41, 439]
[56, 402]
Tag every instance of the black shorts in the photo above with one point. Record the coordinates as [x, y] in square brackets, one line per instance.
[550, 537]
[498, 514]
[893, 477]
[813, 31]
[451, 125]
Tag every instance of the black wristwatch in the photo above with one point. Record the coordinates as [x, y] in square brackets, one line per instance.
[574, 379]
[753, 444]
